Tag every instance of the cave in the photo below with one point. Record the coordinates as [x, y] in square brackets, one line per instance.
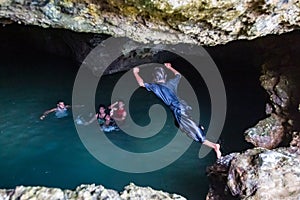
[39, 66]
[238, 62]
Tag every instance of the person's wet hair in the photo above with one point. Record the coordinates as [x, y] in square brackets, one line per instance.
[60, 101]
[159, 74]
[101, 106]
[120, 100]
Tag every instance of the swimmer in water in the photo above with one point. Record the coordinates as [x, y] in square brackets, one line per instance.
[104, 120]
[101, 116]
[118, 112]
[166, 90]
[60, 111]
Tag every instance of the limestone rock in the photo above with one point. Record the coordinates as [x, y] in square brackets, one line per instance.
[92, 192]
[95, 192]
[22, 192]
[295, 143]
[257, 174]
[278, 88]
[267, 133]
[136, 193]
[208, 22]
[280, 79]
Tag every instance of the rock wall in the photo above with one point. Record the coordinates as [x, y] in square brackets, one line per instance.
[208, 22]
[256, 174]
[271, 169]
[280, 78]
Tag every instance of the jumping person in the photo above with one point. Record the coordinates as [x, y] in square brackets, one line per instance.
[166, 90]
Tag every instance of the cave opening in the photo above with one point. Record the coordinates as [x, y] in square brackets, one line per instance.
[38, 67]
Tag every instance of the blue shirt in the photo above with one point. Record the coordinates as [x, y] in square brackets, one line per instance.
[60, 113]
[167, 91]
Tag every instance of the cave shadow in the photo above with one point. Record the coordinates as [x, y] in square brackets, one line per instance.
[238, 62]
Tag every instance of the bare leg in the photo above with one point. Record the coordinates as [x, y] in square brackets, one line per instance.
[215, 146]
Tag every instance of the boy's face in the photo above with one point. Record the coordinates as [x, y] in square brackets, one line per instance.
[61, 105]
[121, 104]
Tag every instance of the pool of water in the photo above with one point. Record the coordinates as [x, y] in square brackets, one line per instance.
[50, 152]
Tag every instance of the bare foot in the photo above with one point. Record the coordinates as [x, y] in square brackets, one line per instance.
[217, 150]
[215, 146]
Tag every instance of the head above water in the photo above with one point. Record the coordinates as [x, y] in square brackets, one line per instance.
[60, 104]
[101, 108]
[159, 75]
[121, 104]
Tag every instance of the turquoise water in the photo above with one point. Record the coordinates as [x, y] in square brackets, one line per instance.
[50, 153]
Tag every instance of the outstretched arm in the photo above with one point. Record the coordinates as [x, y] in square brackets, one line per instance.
[138, 78]
[47, 112]
[113, 105]
[169, 66]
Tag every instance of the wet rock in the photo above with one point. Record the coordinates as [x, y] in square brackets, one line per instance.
[267, 133]
[269, 109]
[280, 79]
[257, 174]
[295, 143]
[218, 175]
[278, 88]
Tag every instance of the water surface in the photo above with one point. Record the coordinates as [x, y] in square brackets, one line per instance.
[50, 153]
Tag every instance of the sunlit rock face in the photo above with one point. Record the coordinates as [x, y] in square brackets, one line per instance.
[86, 192]
[256, 174]
[208, 22]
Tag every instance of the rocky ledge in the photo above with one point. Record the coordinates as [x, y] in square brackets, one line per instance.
[208, 22]
[86, 192]
[271, 170]
[256, 174]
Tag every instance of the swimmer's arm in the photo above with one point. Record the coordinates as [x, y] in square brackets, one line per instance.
[112, 108]
[112, 105]
[47, 112]
[138, 78]
[169, 66]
